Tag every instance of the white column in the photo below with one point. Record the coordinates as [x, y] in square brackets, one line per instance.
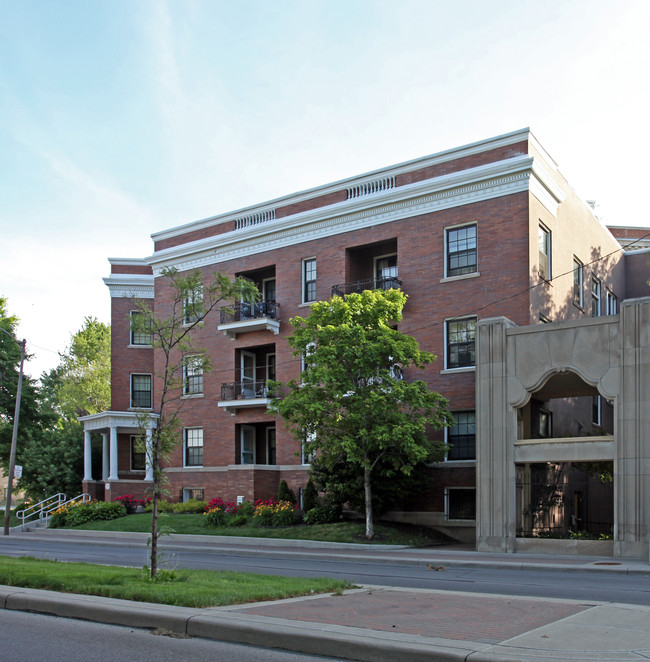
[88, 460]
[148, 456]
[104, 456]
[113, 454]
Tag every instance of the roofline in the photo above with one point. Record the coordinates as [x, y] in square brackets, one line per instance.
[392, 170]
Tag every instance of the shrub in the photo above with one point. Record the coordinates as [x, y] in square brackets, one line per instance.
[82, 512]
[275, 513]
[310, 496]
[285, 493]
[215, 517]
[189, 506]
[323, 514]
[131, 503]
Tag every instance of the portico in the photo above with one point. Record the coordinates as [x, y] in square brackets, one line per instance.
[116, 471]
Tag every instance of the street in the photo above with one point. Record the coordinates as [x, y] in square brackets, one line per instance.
[398, 570]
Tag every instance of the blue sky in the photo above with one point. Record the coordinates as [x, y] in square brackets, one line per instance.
[120, 118]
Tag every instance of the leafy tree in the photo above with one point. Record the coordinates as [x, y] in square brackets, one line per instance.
[351, 404]
[85, 371]
[50, 442]
[188, 302]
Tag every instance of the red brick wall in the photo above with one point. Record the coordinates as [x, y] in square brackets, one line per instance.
[125, 360]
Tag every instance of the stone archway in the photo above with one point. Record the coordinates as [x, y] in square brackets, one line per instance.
[609, 356]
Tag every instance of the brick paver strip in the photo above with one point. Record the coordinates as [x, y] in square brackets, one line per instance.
[482, 619]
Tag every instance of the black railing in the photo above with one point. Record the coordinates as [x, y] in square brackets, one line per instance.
[249, 311]
[388, 283]
[246, 390]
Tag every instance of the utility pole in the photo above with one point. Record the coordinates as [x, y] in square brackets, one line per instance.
[14, 436]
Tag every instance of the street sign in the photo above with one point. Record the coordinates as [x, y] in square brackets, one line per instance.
[18, 471]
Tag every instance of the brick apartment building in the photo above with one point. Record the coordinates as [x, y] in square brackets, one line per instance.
[485, 230]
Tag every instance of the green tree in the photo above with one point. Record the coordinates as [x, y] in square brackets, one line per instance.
[351, 403]
[188, 301]
[50, 441]
[30, 423]
[85, 371]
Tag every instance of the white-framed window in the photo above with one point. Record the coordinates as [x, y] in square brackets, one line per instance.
[192, 493]
[193, 375]
[596, 410]
[141, 391]
[461, 342]
[611, 303]
[139, 333]
[268, 290]
[460, 250]
[247, 438]
[578, 282]
[309, 280]
[385, 271]
[270, 367]
[193, 447]
[460, 503]
[193, 305]
[461, 436]
[544, 240]
[595, 297]
[305, 456]
[138, 454]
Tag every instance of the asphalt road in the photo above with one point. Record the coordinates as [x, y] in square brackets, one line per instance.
[574, 584]
[39, 638]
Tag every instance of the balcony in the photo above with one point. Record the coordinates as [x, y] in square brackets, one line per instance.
[387, 283]
[244, 395]
[244, 317]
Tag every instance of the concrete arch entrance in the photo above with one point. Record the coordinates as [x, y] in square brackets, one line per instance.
[606, 356]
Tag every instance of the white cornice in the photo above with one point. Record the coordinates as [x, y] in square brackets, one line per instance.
[486, 182]
[116, 419]
[358, 180]
[134, 286]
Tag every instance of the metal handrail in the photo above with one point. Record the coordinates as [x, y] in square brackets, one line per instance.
[382, 283]
[52, 502]
[45, 508]
[244, 311]
[247, 390]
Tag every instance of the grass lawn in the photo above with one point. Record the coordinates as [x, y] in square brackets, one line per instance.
[386, 533]
[13, 520]
[185, 588]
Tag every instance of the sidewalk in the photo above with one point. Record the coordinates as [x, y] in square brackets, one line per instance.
[378, 623]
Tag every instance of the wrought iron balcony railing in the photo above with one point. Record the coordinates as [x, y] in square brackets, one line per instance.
[249, 311]
[388, 283]
[246, 390]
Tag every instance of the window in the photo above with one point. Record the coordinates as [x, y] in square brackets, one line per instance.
[578, 269]
[460, 503]
[461, 437]
[141, 391]
[140, 331]
[193, 375]
[247, 444]
[461, 342]
[461, 250]
[595, 297]
[192, 493]
[544, 238]
[193, 306]
[309, 280]
[596, 410]
[138, 455]
[268, 290]
[544, 424]
[193, 443]
[386, 272]
[612, 303]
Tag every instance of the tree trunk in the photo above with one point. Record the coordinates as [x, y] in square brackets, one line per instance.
[370, 528]
[154, 517]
